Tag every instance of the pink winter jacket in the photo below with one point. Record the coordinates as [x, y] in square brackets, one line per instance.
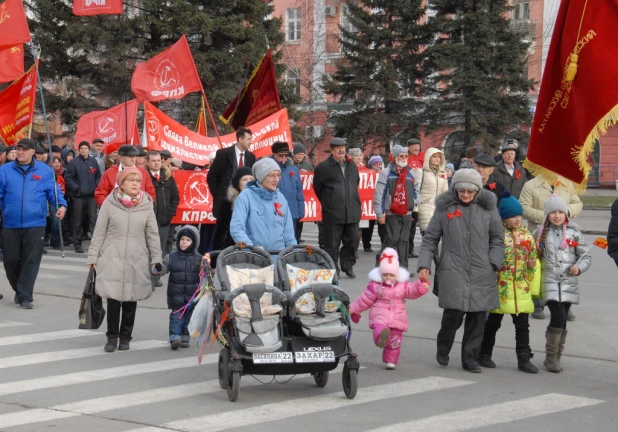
[387, 303]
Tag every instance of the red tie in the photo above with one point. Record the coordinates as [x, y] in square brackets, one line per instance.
[240, 161]
[157, 177]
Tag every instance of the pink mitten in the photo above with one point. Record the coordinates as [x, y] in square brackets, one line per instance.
[355, 317]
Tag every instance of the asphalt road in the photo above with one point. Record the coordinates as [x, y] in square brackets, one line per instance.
[54, 377]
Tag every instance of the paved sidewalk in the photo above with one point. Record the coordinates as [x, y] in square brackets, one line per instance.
[593, 221]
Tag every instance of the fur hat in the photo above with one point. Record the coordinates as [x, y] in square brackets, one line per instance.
[389, 261]
[263, 167]
[397, 150]
[355, 151]
[509, 206]
[240, 173]
[466, 178]
[125, 172]
[280, 147]
[299, 148]
[374, 160]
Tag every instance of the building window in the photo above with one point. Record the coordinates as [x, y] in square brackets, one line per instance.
[292, 78]
[521, 11]
[293, 23]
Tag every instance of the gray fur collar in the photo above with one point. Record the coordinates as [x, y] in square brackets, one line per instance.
[485, 199]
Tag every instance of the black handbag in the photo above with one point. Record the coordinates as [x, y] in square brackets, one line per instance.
[91, 311]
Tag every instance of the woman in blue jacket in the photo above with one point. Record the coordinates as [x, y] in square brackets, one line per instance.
[261, 215]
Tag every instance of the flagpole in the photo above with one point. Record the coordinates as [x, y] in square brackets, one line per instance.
[244, 81]
[124, 79]
[36, 54]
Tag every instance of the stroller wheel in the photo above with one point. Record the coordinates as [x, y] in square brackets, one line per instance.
[350, 382]
[234, 386]
[224, 361]
[321, 379]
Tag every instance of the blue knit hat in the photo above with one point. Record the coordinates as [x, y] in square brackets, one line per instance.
[509, 206]
[374, 159]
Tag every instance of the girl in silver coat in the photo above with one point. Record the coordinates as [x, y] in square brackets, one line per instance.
[562, 250]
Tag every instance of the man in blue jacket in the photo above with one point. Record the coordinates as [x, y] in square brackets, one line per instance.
[290, 185]
[82, 176]
[26, 186]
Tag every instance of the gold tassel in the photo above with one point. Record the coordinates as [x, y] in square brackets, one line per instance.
[580, 155]
[572, 69]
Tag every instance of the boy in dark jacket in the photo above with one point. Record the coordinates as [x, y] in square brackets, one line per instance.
[184, 269]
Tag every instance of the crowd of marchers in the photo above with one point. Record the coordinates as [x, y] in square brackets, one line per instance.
[496, 240]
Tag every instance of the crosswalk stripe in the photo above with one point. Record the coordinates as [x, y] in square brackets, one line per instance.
[100, 374]
[110, 403]
[67, 259]
[7, 324]
[74, 354]
[44, 337]
[45, 275]
[81, 269]
[492, 414]
[295, 407]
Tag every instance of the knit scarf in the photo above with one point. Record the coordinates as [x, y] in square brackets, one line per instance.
[126, 200]
[399, 205]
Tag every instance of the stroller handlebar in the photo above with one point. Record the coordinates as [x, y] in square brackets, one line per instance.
[256, 291]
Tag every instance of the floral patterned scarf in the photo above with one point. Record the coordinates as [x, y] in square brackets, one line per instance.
[126, 200]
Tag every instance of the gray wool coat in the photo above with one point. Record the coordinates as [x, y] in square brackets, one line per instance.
[125, 244]
[558, 284]
[472, 251]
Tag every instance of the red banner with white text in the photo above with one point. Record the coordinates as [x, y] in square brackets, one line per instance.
[109, 125]
[195, 205]
[17, 107]
[97, 7]
[164, 133]
[366, 189]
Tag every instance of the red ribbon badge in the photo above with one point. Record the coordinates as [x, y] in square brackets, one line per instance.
[527, 244]
[457, 213]
[278, 209]
[517, 174]
[92, 170]
[492, 186]
[291, 173]
[36, 177]
[572, 243]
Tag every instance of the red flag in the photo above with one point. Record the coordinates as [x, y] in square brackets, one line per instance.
[17, 107]
[97, 7]
[12, 61]
[200, 127]
[578, 100]
[600, 242]
[13, 24]
[109, 125]
[259, 97]
[168, 75]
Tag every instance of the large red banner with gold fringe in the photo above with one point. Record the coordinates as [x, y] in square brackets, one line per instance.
[578, 100]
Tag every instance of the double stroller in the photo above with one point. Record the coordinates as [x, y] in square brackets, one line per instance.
[285, 319]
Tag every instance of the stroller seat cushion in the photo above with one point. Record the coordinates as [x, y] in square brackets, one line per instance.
[299, 278]
[327, 327]
[239, 277]
[259, 336]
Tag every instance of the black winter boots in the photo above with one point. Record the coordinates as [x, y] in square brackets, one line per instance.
[111, 345]
[523, 361]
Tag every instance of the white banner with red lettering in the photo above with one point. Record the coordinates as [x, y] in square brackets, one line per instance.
[164, 133]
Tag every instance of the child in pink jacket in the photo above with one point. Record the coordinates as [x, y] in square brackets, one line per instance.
[386, 295]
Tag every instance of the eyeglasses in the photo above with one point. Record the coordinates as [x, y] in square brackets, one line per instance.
[134, 180]
[164, 158]
[466, 191]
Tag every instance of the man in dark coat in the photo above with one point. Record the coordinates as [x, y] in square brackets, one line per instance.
[467, 223]
[485, 166]
[82, 176]
[219, 178]
[509, 172]
[167, 197]
[335, 183]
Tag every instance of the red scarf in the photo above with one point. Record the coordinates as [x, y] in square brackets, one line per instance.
[399, 205]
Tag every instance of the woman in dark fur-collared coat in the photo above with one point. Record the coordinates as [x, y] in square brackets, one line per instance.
[467, 222]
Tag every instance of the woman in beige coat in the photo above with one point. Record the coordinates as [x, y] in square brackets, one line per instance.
[433, 183]
[124, 248]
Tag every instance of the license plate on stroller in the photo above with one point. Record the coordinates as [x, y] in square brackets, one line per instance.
[276, 357]
[315, 357]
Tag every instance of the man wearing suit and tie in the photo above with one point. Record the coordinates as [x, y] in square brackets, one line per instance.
[226, 162]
